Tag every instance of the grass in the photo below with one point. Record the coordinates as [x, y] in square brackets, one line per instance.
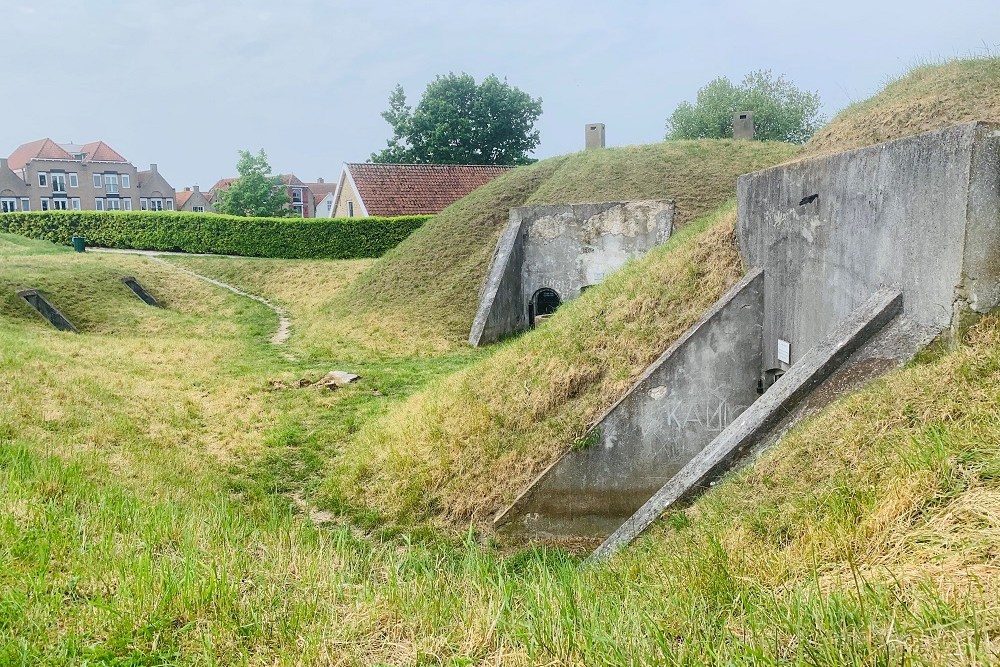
[929, 97]
[465, 446]
[134, 531]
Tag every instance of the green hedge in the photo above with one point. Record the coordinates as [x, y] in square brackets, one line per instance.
[287, 238]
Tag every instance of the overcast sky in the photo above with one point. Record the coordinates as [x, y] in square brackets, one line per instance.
[186, 84]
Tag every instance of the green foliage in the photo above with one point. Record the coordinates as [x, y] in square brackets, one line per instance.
[781, 111]
[460, 122]
[256, 192]
[287, 238]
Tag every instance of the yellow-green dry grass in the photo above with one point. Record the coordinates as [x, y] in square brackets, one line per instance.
[868, 536]
[462, 448]
[928, 98]
[426, 290]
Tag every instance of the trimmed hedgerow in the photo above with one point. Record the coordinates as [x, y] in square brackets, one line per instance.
[285, 238]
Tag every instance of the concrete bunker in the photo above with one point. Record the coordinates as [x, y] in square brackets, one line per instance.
[139, 290]
[858, 260]
[35, 299]
[548, 255]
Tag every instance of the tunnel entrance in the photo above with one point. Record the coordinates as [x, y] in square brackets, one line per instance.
[544, 303]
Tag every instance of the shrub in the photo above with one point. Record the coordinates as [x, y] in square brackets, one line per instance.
[285, 238]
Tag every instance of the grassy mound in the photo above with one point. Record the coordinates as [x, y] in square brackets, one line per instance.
[928, 98]
[87, 288]
[465, 446]
[430, 282]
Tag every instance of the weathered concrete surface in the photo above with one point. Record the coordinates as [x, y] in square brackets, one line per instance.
[809, 370]
[921, 213]
[564, 247]
[687, 397]
[140, 291]
[47, 310]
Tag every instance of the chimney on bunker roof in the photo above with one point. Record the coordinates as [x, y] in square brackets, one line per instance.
[594, 136]
[320, 180]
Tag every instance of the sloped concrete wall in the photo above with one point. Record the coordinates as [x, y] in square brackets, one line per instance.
[818, 363]
[680, 404]
[920, 213]
[565, 247]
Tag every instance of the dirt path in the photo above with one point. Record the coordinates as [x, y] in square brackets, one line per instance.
[280, 336]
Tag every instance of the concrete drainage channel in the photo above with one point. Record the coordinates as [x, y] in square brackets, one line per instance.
[858, 260]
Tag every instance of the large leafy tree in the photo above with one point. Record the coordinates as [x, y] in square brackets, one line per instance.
[460, 122]
[256, 192]
[781, 111]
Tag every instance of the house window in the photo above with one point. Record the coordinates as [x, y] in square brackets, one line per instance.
[98, 204]
[198, 209]
[125, 182]
[25, 204]
[45, 204]
[75, 203]
[297, 195]
[298, 210]
[170, 204]
[350, 209]
[111, 184]
[127, 204]
[329, 205]
[58, 182]
[114, 204]
[60, 204]
[73, 181]
[143, 204]
[97, 180]
[155, 204]
[8, 205]
[43, 179]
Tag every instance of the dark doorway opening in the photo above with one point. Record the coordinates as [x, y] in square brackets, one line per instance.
[544, 302]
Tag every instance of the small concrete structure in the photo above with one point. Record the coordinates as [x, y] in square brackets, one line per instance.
[47, 310]
[550, 254]
[140, 291]
[743, 128]
[859, 259]
[594, 136]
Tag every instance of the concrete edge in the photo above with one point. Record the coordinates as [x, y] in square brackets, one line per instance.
[973, 124]
[814, 367]
[502, 518]
[494, 277]
[139, 290]
[66, 324]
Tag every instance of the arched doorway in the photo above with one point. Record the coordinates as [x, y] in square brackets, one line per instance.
[543, 303]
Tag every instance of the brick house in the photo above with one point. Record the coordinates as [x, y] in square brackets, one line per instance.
[367, 189]
[300, 196]
[193, 200]
[88, 177]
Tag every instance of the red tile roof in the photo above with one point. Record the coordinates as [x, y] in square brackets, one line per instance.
[181, 197]
[45, 149]
[417, 189]
[98, 151]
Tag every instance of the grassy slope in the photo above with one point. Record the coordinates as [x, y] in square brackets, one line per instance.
[466, 445]
[928, 98]
[431, 282]
[869, 536]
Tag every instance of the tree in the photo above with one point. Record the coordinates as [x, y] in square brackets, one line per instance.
[460, 122]
[781, 112]
[255, 193]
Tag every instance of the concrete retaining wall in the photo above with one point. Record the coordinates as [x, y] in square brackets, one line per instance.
[680, 404]
[920, 213]
[564, 247]
[810, 370]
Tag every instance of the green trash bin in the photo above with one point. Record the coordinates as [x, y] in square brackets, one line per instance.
[80, 243]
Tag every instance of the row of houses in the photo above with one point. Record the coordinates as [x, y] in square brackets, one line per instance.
[44, 175]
